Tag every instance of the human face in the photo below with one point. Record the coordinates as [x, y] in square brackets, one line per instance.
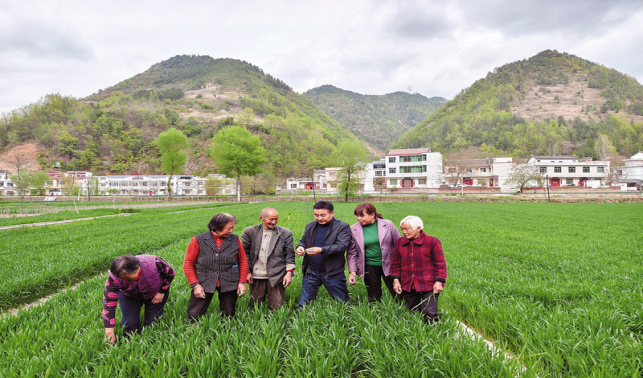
[323, 216]
[227, 230]
[365, 219]
[131, 276]
[409, 232]
[269, 219]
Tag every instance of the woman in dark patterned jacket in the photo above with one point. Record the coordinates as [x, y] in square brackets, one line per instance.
[418, 268]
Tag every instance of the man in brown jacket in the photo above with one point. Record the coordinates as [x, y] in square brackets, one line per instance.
[271, 259]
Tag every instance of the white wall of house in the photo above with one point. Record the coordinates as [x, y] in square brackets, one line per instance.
[153, 184]
[633, 168]
[424, 170]
[569, 171]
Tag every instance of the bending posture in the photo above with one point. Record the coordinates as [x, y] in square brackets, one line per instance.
[271, 259]
[135, 281]
[324, 243]
[215, 261]
[418, 268]
[370, 251]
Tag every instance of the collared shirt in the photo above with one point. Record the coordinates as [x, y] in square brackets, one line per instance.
[418, 263]
[260, 270]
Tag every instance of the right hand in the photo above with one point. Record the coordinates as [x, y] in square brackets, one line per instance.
[397, 286]
[110, 337]
[199, 292]
[301, 251]
[249, 278]
[352, 278]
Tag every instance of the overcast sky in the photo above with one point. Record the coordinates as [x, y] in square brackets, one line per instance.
[370, 47]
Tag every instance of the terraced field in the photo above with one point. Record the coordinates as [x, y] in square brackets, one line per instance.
[556, 285]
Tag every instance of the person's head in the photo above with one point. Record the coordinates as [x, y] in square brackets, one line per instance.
[366, 213]
[222, 224]
[126, 267]
[269, 218]
[411, 227]
[323, 211]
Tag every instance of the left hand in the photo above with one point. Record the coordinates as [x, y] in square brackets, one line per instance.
[241, 289]
[287, 279]
[158, 298]
[437, 287]
[313, 251]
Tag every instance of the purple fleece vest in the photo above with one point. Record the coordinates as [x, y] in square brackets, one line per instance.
[148, 284]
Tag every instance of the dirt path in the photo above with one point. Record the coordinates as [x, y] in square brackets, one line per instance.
[58, 222]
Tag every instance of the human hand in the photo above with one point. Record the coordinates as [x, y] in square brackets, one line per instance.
[287, 279]
[199, 292]
[437, 287]
[397, 286]
[110, 337]
[249, 278]
[313, 251]
[158, 298]
[352, 278]
[300, 251]
[241, 289]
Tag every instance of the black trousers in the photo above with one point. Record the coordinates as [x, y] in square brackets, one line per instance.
[373, 276]
[131, 312]
[198, 306]
[425, 302]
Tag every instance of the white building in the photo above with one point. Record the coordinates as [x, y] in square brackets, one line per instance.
[6, 185]
[570, 171]
[318, 182]
[152, 184]
[413, 168]
[632, 171]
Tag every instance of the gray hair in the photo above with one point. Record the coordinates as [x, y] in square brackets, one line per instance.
[126, 264]
[413, 222]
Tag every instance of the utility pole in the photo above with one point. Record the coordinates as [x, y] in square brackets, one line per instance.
[547, 184]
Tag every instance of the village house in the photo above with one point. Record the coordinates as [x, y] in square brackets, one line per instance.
[413, 168]
[570, 171]
[632, 172]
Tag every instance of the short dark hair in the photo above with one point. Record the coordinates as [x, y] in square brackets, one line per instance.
[126, 264]
[367, 208]
[319, 205]
[218, 222]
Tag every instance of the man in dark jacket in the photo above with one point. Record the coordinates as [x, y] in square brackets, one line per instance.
[271, 259]
[323, 246]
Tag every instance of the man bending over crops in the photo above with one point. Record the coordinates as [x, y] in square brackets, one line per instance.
[271, 259]
[323, 246]
[136, 281]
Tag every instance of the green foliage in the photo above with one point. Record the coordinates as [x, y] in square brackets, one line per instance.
[378, 120]
[481, 113]
[172, 143]
[351, 158]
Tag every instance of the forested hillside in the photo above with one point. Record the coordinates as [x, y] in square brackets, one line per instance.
[552, 103]
[378, 120]
[114, 129]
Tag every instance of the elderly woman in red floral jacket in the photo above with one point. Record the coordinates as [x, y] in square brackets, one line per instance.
[418, 268]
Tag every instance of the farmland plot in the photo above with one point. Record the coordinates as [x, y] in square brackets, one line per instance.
[557, 285]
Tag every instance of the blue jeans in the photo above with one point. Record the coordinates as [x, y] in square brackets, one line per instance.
[312, 280]
[131, 312]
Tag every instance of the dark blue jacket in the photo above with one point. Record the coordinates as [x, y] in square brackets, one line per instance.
[335, 245]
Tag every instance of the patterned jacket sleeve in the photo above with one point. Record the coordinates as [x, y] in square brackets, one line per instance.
[167, 274]
[110, 301]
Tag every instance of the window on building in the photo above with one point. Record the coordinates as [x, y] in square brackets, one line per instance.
[391, 159]
[135, 184]
[585, 169]
[543, 169]
[572, 169]
[483, 169]
[186, 184]
[144, 183]
[569, 181]
[393, 182]
[600, 169]
[391, 170]
[293, 186]
[421, 181]
[558, 169]
[413, 169]
[379, 173]
[412, 158]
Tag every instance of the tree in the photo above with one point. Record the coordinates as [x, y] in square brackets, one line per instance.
[603, 147]
[18, 162]
[37, 181]
[350, 156]
[172, 143]
[213, 186]
[237, 153]
[520, 174]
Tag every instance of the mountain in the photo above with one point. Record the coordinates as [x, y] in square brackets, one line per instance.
[113, 130]
[378, 120]
[552, 103]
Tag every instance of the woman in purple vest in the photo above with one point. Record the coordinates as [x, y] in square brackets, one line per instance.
[136, 281]
[369, 253]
